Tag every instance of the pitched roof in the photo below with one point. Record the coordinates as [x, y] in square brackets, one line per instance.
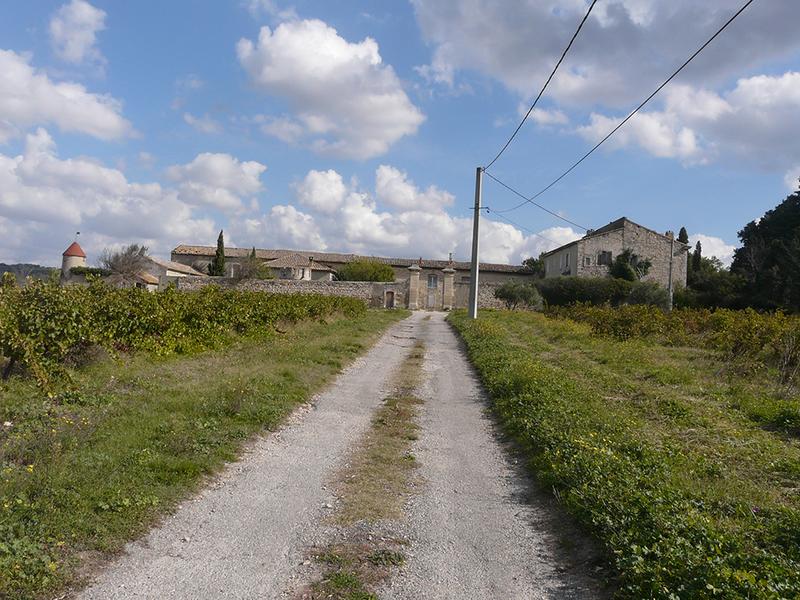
[333, 258]
[74, 250]
[296, 261]
[613, 226]
[175, 266]
[147, 278]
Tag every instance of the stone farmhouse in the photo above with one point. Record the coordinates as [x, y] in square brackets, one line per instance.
[592, 255]
[419, 283]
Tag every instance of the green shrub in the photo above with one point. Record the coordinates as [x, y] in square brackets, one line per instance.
[92, 271]
[515, 293]
[648, 292]
[365, 270]
[42, 324]
[663, 539]
[563, 291]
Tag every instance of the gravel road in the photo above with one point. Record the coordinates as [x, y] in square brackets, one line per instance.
[243, 536]
[479, 529]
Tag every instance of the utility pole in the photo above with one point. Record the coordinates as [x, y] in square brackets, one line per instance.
[671, 285]
[476, 225]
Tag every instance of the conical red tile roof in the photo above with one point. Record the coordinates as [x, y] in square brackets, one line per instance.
[75, 250]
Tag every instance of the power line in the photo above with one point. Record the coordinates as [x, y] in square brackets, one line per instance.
[531, 231]
[544, 87]
[530, 201]
[628, 118]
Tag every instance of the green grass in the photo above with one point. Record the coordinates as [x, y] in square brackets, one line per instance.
[85, 471]
[658, 451]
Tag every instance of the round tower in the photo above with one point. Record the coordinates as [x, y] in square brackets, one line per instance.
[74, 256]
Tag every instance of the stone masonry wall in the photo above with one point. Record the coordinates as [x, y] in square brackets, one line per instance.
[371, 293]
[486, 297]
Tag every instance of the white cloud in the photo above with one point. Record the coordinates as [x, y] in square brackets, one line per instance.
[45, 199]
[549, 117]
[146, 160]
[755, 121]
[284, 128]
[337, 216]
[73, 32]
[348, 102]
[658, 133]
[714, 246]
[624, 50]
[217, 180]
[323, 191]
[270, 8]
[204, 124]
[29, 97]
[392, 187]
[283, 227]
[792, 179]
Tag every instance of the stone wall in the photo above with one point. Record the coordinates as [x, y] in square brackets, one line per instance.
[374, 294]
[486, 297]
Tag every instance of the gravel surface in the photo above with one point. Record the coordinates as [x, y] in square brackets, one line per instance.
[479, 528]
[245, 534]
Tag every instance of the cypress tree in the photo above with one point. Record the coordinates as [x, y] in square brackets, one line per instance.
[217, 266]
[697, 256]
[683, 236]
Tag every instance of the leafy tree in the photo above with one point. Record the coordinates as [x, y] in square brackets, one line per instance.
[630, 267]
[534, 266]
[217, 266]
[514, 293]
[769, 258]
[365, 270]
[124, 266]
[253, 268]
[683, 236]
[710, 285]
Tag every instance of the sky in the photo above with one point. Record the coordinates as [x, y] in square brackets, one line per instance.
[357, 126]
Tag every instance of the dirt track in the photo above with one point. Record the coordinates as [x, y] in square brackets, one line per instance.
[477, 527]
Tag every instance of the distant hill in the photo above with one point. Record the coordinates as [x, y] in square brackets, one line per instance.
[23, 270]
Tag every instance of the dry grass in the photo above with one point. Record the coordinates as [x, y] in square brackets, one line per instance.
[379, 477]
[372, 488]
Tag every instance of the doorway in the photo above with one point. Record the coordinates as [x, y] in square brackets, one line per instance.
[433, 284]
[389, 302]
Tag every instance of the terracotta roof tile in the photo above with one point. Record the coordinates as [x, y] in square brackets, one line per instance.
[329, 258]
[75, 250]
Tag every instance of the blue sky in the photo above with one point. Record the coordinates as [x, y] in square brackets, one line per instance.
[357, 126]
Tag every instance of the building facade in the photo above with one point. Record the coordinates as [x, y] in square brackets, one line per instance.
[419, 283]
[593, 254]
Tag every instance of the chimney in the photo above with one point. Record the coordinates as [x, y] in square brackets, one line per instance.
[670, 234]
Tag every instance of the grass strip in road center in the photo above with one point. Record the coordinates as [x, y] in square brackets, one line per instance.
[372, 489]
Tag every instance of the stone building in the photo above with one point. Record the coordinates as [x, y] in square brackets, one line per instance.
[593, 254]
[419, 283]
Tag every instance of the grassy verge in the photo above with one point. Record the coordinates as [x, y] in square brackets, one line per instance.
[690, 497]
[373, 489]
[87, 470]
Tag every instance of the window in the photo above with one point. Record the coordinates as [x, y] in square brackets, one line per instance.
[604, 258]
[587, 261]
[302, 273]
[465, 279]
[433, 281]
